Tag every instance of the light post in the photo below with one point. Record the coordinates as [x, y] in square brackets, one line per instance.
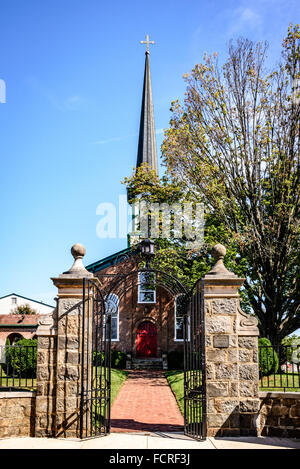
[148, 251]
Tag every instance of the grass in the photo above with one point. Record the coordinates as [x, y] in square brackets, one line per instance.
[289, 383]
[176, 383]
[117, 379]
[194, 414]
[99, 408]
[17, 383]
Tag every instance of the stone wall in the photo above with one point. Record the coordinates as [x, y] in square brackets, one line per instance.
[17, 414]
[279, 414]
[45, 418]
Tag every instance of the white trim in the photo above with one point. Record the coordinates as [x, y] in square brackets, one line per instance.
[189, 328]
[117, 303]
[145, 291]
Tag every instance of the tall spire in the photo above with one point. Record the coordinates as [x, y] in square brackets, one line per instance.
[147, 140]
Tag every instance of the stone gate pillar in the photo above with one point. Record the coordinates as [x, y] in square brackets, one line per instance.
[232, 380]
[60, 355]
[45, 410]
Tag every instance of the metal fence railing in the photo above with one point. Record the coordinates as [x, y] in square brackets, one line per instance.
[18, 367]
[279, 367]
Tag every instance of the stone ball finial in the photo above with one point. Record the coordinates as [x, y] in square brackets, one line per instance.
[78, 251]
[78, 270]
[218, 252]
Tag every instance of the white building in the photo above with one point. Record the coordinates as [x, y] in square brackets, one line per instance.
[10, 302]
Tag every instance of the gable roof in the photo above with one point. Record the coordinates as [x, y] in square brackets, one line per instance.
[25, 298]
[107, 261]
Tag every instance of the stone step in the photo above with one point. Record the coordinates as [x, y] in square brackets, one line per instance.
[147, 364]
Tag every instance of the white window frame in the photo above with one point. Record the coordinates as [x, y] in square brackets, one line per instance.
[117, 302]
[175, 315]
[145, 291]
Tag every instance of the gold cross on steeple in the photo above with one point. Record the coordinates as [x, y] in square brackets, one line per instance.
[147, 42]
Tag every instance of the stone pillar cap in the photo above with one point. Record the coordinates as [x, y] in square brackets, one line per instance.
[219, 270]
[77, 270]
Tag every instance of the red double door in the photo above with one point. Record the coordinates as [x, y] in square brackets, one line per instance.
[146, 340]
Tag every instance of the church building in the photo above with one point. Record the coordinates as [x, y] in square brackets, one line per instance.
[146, 322]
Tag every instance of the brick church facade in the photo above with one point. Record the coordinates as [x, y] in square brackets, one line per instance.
[146, 324]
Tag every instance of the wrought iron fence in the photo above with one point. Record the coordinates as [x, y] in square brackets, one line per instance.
[279, 367]
[18, 367]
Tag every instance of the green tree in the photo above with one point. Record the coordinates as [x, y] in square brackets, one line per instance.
[21, 358]
[174, 255]
[267, 358]
[234, 145]
[24, 309]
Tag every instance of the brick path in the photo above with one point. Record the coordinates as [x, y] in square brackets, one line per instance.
[146, 403]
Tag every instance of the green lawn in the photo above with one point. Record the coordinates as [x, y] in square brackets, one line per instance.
[194, 406]
[17, 383]
[175, 380]
[117, 379]
[99, 408]
[289, 382]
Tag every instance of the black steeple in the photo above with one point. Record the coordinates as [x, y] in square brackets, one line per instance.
[147, 141]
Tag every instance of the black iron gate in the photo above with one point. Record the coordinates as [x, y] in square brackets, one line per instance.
[95, 363]
[194, 365]
[96, 352]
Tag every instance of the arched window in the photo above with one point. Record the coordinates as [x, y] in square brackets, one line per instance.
[179, 314]
[112, 309]
[146, 287]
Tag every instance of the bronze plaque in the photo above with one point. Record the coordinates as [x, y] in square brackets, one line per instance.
[221, 341]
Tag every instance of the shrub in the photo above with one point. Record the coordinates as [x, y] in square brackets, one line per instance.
[21, 358]
[268, 358]
[118, 359]
[175, 360]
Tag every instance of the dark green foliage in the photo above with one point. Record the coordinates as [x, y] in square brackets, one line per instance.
[98, 358]
[118, 359]
[24, 309]
[21, 359]
[175, 360]
[268, 358]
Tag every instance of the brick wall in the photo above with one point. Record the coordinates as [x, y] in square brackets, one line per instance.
[279, 414]
[12, 324]
[17, 414]
[131, 314]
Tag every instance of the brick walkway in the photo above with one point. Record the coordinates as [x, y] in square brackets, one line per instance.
[146, 403]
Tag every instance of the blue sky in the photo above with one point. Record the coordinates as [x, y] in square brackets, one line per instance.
[69, 128]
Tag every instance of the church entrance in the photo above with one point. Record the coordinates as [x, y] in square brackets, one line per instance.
[146, 340]
[101, 299]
